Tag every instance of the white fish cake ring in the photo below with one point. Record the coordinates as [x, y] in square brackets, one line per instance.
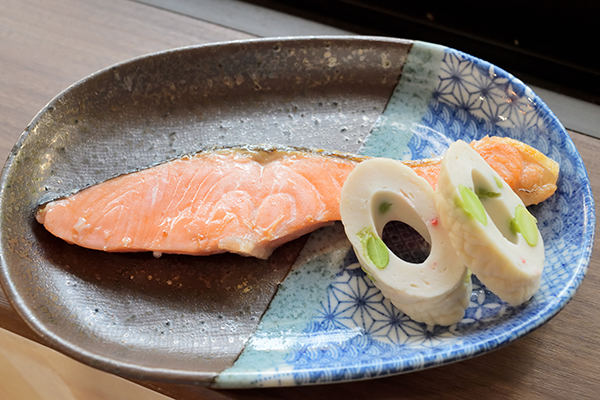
[489, 225]
[378, 191]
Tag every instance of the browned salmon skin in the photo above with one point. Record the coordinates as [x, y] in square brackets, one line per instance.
[530, 173]
[246, 200]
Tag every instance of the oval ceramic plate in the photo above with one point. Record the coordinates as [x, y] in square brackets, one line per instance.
[308, 314]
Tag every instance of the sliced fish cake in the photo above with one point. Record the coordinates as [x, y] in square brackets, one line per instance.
[490, 228]
[380, 190]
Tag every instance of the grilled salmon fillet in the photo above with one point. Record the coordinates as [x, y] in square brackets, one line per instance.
[246, 200]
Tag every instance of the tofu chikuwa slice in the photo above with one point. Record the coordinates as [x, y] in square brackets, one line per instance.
[435, 291]
[490, 227]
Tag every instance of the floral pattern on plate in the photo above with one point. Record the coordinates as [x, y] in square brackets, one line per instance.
[354, 332]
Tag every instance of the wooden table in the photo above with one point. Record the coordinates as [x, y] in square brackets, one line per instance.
[47, 45]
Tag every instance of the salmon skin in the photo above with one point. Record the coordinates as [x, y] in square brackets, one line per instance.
[247, 200]
[527, 171]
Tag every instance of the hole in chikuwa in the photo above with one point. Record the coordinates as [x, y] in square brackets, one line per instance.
[405, 242]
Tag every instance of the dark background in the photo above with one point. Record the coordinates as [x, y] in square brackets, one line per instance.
[551, 43]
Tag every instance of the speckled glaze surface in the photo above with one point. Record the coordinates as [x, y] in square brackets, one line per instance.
[308, 315]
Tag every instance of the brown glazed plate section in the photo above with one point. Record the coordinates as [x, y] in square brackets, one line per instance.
[176, 318]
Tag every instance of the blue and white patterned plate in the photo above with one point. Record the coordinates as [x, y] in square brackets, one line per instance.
[223, 320]
[341, 327]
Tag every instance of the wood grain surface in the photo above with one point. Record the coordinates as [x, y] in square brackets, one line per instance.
[47, 45]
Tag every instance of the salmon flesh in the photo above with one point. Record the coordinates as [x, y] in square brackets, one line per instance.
[247, 200]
